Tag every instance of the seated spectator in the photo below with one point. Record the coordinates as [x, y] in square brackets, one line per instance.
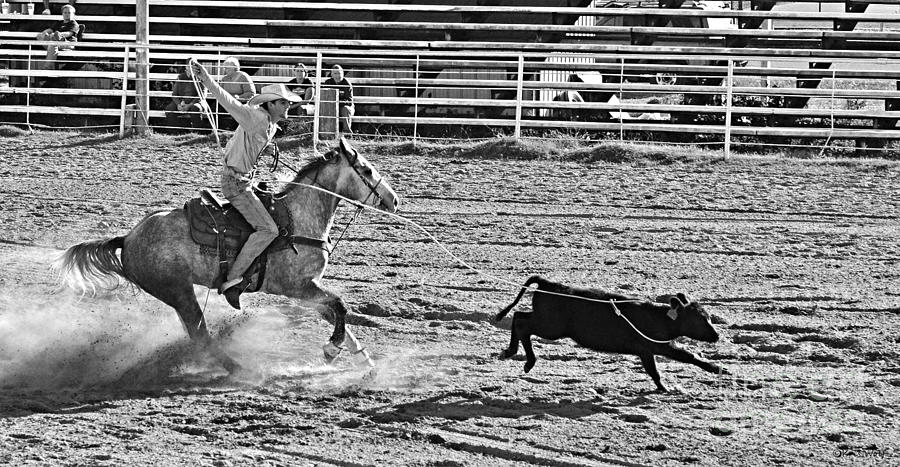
[47, 6]
[303, 87]
[345, 97]
[62, 31]
[568, 114]
[186, 103]
[4, 83]
[236, 82]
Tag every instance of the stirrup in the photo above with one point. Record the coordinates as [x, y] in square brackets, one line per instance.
[229, 284]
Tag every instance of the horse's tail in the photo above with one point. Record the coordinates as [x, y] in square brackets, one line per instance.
[92, 265]
[531, 280]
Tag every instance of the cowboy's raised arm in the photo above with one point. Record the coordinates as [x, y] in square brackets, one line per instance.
[241, 112]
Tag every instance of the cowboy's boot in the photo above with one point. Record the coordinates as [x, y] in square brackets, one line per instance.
[233, 292]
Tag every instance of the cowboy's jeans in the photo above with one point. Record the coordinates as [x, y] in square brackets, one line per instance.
[239, 192]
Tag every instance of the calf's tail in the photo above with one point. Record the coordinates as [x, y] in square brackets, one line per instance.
[531, 280]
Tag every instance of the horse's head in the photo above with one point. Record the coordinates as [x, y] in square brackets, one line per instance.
[358, 180]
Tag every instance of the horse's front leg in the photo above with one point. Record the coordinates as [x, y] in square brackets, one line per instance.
[360, 353]
[331, 307]
[335, 311]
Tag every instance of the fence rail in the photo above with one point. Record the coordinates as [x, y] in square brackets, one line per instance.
[483, 91]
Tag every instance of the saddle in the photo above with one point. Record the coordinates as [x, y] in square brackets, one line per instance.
[221, 231]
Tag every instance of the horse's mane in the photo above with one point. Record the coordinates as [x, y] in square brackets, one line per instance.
[309, 163]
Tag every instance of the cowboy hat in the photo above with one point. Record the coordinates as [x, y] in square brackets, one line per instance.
[274, 92]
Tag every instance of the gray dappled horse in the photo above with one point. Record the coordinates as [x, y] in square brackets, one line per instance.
[159, 256]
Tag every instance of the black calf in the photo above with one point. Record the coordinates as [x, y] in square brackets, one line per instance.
[594, 323]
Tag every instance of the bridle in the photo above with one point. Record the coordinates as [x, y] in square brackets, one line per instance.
[373, 187]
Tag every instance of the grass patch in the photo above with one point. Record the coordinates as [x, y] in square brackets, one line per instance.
[9, 131]
[563, 148]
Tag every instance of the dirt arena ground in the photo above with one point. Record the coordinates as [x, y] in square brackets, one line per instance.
[797, 260]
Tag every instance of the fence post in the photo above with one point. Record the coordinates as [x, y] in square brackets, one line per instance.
[142, 65]
[28, 93]
[416, 104]
[219, 72]
[728, 92]
[124, 93]
[621, 96]
[521, 79]
[316, 97]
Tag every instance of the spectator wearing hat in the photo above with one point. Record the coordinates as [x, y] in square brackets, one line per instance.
[257, 123]
[345, 97]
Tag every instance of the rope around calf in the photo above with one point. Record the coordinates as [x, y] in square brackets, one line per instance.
[361, 206]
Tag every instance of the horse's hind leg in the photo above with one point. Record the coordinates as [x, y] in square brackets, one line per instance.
[183, 300]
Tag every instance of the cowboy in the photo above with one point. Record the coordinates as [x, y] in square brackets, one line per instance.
[257, 123]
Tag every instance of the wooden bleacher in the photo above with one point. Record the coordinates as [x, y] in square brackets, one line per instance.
[470, 35]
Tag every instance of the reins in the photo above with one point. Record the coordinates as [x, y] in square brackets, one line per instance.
[350, 222]
[373, 190]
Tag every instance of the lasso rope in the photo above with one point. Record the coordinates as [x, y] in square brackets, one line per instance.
[361, 206]
[206, 110]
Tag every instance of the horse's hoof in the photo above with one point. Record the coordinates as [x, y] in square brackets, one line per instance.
[230, 365]
[331, 352]
[362, 358]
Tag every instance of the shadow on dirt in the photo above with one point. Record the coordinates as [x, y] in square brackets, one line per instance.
[18, 403]
[477, 405]
[94, 141]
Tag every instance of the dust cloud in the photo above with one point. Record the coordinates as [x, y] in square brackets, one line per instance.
[61, 341]
[281, 347]
[52, 338]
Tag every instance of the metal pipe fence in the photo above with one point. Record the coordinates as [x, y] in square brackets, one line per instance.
[780, 100]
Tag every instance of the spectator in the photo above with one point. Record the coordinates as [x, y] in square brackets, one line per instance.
[303, 87]
[236, 82]
[62, 31]
[186, 101]
[47, 6]
[569, 114]
[345, 97]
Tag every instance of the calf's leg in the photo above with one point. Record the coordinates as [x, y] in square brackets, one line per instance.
[681, 355]
[649, 362]
[530, 359]
[513, 342]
